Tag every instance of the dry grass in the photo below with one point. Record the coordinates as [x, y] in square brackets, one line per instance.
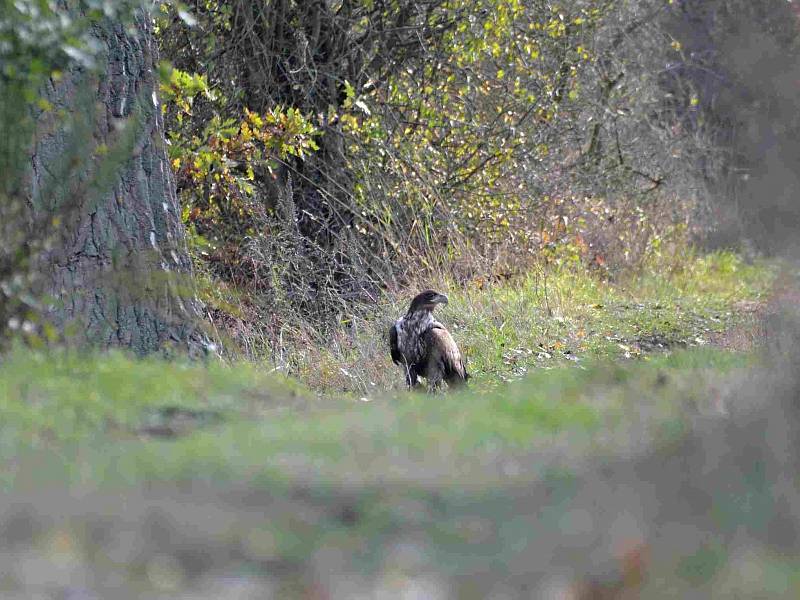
[562, 313]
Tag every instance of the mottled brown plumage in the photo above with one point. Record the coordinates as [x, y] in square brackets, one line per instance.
[424, 347]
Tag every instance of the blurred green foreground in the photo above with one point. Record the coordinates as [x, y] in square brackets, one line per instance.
[664, 474]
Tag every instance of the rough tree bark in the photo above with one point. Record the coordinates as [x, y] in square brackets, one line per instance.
[119, 270]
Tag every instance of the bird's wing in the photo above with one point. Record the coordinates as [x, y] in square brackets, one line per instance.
[443, 349]
[397, 356]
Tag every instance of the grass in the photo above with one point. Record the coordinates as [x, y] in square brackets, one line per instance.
[96, 415]
[332, 473]
[237, 470]
[564, 315]
[538, 350]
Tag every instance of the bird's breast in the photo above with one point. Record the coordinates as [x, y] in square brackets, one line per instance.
[410, 335]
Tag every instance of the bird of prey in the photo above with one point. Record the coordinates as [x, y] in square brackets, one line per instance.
[424, 348]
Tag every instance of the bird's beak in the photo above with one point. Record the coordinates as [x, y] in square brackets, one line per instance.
[441, 299]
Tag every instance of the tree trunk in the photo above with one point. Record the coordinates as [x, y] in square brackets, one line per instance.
[119, 270]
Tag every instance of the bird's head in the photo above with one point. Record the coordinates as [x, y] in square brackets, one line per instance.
[427, 300]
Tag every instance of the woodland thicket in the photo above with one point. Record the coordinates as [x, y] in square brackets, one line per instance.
[328, 151]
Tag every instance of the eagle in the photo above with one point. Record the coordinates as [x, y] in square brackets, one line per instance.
[424, 348]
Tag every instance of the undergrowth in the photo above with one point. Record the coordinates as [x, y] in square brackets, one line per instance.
[559, 314]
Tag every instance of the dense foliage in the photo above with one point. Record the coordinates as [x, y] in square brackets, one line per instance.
[326, 151]
[397, 140]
